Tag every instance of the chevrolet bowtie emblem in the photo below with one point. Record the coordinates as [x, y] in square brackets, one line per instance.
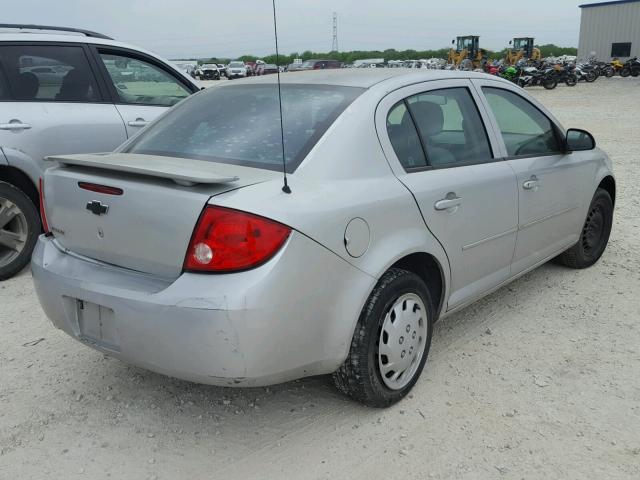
[97, 208]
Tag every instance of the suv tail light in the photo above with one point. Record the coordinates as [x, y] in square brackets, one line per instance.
[227, 240]
[43, 213]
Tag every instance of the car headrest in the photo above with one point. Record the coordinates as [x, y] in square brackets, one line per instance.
[75, 86]
[27, 86]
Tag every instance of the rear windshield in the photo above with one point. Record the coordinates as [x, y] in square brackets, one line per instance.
[240, 124]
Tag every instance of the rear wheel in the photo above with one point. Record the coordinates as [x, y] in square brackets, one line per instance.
[391, 341]
[591, 76]
[571, 80]
[595, 233]
[19, 230]
[625, 72]
[609, 72]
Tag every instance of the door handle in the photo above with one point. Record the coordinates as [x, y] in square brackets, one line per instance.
[449, 202]
[138, 122]
[531, 184]
[14, 125]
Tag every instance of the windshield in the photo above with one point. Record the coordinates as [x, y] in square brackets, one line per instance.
[236, 64]
[240, 124]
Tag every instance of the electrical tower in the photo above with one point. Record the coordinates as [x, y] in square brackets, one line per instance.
[334, 45]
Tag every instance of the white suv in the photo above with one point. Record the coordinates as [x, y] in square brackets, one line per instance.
[67, 91]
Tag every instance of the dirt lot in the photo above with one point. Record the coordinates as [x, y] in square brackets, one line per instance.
[538, 381]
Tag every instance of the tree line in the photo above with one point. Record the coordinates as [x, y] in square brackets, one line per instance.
[548, 50]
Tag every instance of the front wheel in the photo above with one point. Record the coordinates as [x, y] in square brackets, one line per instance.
[625, 72]
[550, 83]
[609, 72]
[19, 230]
[571, 80]
[391, 341]
[595, 233]
[591, 77]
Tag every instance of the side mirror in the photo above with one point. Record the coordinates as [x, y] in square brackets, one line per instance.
[579, 140]
[453, 42]
[510, 42]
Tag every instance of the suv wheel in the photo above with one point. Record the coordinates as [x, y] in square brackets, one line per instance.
[595, 233]
[391, 341]
[19, 230]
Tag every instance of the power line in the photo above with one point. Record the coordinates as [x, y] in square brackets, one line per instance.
[334, 44]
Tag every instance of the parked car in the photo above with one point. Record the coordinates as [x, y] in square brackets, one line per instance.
[267, 69]
[67, 93]
[251, 68]
[236, 69]
[222, 69]
[188, 68]
[208, 71]
[294, 67]
[320, 64]
[411, 195]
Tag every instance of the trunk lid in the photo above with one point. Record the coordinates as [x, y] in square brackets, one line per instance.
[148, 227]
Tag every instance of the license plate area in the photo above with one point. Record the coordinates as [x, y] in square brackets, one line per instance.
[96, 325]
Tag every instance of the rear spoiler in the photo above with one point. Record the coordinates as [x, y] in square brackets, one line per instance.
[183, 171]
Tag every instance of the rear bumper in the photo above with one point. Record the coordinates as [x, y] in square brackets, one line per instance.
[290, 318]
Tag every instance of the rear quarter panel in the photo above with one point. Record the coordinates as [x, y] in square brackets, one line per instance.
[346, 176]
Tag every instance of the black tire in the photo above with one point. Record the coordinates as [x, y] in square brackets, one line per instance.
[625, 72]
[609, 72]
[33, 229]
[595, 233]
[635, 72]
[591, 77]
[360, 376]
[571, 80]
[550, 83]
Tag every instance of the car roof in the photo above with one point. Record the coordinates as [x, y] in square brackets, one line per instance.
[367, 77]
[26, 35]
[14, 35]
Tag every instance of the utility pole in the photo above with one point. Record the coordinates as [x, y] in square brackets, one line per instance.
[334, 45]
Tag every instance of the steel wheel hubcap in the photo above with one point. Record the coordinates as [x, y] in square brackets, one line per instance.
[402, 341]
[593, 229]
[13, 231]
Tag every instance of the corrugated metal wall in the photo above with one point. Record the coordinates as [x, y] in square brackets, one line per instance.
[602, 26]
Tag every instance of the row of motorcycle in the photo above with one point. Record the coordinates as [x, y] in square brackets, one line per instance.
[550, 75]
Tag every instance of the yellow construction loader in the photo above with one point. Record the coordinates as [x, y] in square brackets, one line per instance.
[467, 54]
[522, 49]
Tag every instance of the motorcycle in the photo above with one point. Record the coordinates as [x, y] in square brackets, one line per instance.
[586, 72]
[531, 77]
[566, 74]
[631, 67]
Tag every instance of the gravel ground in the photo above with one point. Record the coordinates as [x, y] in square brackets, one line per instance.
[537, 381]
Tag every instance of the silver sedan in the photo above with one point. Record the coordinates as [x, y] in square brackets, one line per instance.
[407, 197]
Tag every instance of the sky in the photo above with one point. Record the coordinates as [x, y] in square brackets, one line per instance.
[222, 28]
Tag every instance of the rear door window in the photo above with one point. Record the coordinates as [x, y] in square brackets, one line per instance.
[139, 82]
[240, 124]
[439, 128]
[49, 73]
[450, 126]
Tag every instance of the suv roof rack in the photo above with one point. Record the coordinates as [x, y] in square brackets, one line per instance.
[87, 33]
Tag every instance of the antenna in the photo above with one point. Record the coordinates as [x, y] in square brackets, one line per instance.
[334, 45]
[285, 187]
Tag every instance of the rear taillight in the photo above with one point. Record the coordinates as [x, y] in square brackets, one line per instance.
[43, 213]
[227, 240]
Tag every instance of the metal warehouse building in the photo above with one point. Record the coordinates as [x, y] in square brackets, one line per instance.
[610, 30]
